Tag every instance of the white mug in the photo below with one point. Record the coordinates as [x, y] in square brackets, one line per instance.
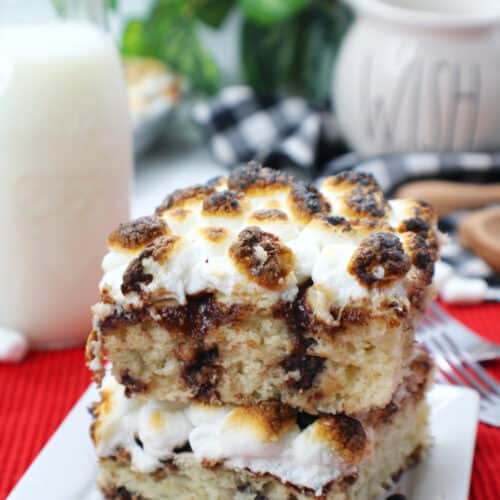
[420, 75]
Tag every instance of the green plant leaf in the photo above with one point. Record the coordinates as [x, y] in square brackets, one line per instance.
[322, 27]
[271, 11]
[295, 55]
[60, 6]
[169, 33]
[134, 38]
[268, 54]
[213, 13]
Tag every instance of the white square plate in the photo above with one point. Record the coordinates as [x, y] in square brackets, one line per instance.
[66, 468]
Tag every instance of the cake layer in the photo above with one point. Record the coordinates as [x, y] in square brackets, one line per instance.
[245, 356]
[259, 287]
[269, 448]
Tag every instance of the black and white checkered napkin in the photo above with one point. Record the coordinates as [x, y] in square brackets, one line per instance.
[242, 126]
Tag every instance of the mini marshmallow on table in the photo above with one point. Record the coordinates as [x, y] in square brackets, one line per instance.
[13, 345]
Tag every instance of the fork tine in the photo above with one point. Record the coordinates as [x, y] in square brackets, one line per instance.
[434, 314]
[478, 348]
[476, 368]
[442, 363]
[440, 379]
[429, 319]
[458, 367]
[425, 326]
[442, 316]
[456, 375]
[489, 408]
[433, 320]
[438, 311]
[436, 317]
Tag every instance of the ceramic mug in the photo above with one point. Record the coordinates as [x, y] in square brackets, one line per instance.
[420, 75]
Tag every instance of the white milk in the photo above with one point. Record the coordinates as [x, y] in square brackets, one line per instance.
[65, 166]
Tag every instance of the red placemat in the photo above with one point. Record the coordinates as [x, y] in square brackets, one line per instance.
[485, 482]
[37, 394]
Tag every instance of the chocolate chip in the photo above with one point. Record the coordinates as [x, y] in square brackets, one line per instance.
[135, 275]
[183, 449]
[132, 385]
[198, 316]
[298, 320]
[121, 493]
[305, 420]
[200, 371]
[138, 442]
[308, 367]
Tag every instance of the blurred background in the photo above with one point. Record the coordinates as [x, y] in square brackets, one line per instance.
[277, 48]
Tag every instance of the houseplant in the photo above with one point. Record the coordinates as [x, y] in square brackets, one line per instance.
[286, 46]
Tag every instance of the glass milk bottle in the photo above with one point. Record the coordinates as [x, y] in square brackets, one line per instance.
[65, 166]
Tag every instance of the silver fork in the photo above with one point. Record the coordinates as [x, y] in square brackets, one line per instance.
[459, 368]
[436, 319]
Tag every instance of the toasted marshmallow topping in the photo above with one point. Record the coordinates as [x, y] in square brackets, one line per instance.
[256, 235]
[263, 439]
[294, 456]
[149, 431]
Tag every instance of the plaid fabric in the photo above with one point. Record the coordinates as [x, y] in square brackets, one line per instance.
[392, 170]
[242, 126]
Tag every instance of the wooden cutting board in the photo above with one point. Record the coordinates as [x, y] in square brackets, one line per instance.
[480, 232]
[447, 196]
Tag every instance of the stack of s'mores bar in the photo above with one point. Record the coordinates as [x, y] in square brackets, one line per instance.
[259, 338]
